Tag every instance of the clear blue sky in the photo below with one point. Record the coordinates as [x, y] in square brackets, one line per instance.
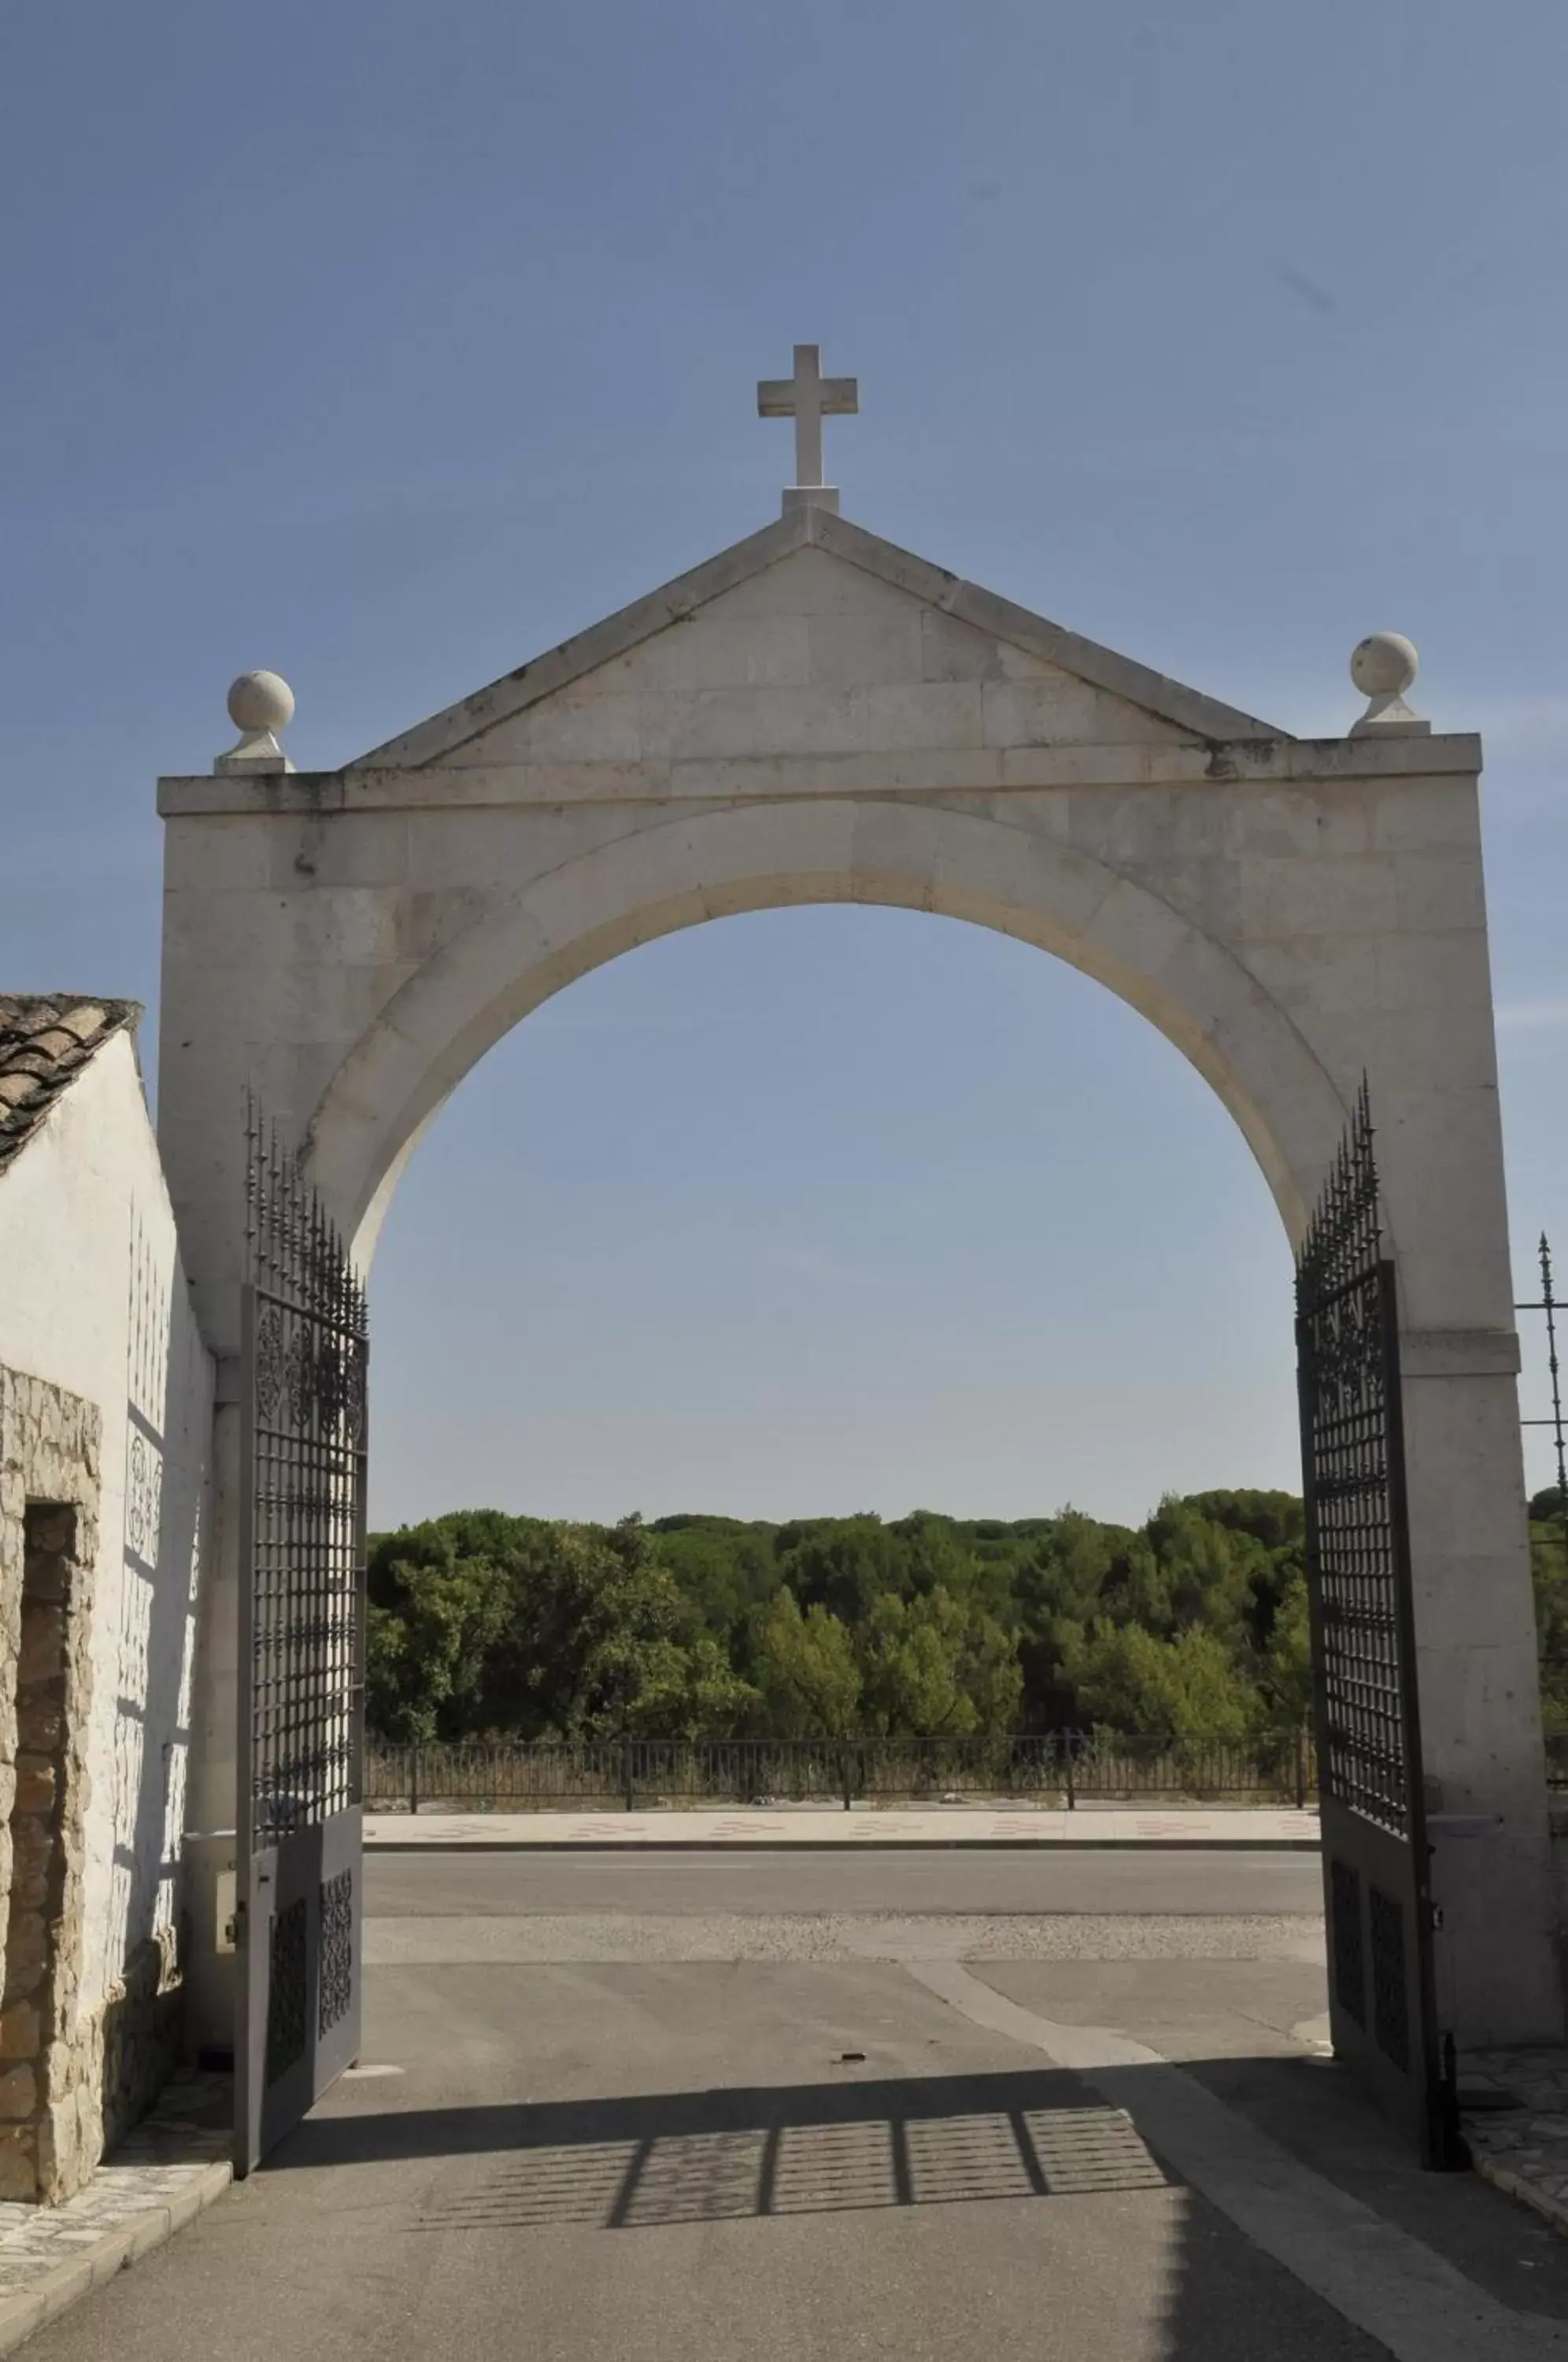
[388, 345]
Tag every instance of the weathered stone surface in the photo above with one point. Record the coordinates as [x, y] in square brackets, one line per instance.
[141, 2028]
[32, 1847]
[47, 1722]
[18, 2162]
[50, 1440]
[29, 1889]
[18, 2092]
[21, 2031]
[53, 1532]
[27, 1946]
[43, 1644]
[36, 1790]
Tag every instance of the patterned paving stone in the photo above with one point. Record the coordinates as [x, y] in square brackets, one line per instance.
[1522, 2149]
[167, 2154]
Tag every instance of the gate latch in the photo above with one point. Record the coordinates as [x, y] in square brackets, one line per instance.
[226, 1910]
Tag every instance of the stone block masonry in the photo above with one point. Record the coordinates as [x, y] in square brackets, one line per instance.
[43, 1927]
[48, 1514]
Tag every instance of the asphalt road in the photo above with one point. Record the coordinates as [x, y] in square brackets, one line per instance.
[683, 2155]
[988, 1883]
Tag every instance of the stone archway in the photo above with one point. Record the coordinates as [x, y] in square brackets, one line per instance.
[576, 917]
[815, 715]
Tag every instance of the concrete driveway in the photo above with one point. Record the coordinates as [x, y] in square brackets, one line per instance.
[620, 2109]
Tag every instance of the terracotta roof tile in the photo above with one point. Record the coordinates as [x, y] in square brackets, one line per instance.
[46, 1040]
[85, 1020]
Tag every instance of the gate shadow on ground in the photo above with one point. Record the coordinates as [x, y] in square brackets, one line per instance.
[708, 2156]
[868, 2146]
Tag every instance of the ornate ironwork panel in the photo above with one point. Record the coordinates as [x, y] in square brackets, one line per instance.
[336, 1950]
[1377, 1869]
[301, 1648]
[1390, 1998]
[287, 1982]
[1344, 1929]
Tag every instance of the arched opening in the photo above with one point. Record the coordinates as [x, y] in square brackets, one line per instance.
[863, 1216]
[571, 1239]
[960, 1191]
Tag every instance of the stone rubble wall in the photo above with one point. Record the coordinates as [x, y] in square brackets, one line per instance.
[49, 1454]
[106, 2077]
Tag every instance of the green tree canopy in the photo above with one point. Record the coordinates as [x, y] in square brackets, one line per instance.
[481, 1622]
[1129, 1680]
[806, 1670]
[1194, 1624]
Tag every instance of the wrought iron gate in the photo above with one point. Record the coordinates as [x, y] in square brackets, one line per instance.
[1376, 1864]
[301, 1644]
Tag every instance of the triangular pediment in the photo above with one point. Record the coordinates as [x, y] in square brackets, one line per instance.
[811, 627]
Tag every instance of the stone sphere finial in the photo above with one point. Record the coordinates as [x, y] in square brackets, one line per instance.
[260, 701]
[260, 705]
[1383, 667]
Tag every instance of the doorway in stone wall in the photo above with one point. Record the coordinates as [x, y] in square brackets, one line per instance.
[39, 2139]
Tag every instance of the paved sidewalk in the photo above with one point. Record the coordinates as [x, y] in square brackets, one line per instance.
[161, 2175]
[1517, 2127]
[1268, 1829]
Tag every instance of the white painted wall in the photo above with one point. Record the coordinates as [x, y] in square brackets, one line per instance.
[95, 1300]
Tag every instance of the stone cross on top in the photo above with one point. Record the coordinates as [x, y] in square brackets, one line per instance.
[808, 398]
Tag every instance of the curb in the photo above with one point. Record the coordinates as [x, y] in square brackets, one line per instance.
[844, 1845]
[59, 2287]
[1523, 2192]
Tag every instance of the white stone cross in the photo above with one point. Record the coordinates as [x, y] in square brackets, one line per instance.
[808, 398]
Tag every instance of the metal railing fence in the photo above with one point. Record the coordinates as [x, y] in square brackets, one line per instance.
[1550, 1636]
[1064, 1769]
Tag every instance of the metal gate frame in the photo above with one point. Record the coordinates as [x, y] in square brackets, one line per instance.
[304, 1352]
[1376, 1858]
